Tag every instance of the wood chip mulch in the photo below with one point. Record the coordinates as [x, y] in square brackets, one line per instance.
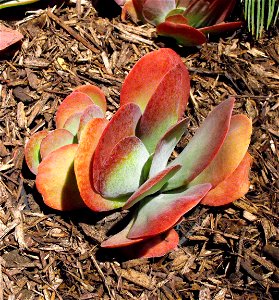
[224, 253]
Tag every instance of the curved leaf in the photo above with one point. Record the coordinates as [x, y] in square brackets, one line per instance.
[72, 123]
[151, 186]
[137, 248]
[54, 140]
[156, 246]
[83, 167]
[221, 27]
[97, 96]
[164, 107]
[230, 154]
[166, 146]
[184, 34]
[158, 214]
[56, 179]
[233, 187]
[92, 111]
[120, 239]
[154, 65]
[74, 103]
[122, 171]
[32, 150]
[204, 146]
[122, 124]
[155, 12]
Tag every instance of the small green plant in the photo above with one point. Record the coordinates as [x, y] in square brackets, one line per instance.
[260, 15]
[105, 165]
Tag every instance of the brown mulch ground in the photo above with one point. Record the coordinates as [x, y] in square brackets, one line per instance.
[225, 253]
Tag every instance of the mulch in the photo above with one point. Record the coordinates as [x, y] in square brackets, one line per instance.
[224, 253]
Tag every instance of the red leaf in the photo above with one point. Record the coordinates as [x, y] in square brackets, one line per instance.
[233, 187]
[184, 34]
[122, 124]
[8, 37]
[156, 246]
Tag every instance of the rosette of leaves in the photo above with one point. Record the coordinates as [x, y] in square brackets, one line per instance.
[126, 162]
[187, 21]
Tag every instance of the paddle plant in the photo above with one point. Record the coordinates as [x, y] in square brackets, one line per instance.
[127, 161]
[187, 21]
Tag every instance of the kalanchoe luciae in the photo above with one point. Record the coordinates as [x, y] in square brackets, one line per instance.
[187, 21]
[124, 162]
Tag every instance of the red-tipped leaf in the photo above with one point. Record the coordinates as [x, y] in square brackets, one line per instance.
[56, 179]
[154, 65]
[230, 154]
[32, 150]
[184, 34]
[122, 124]
[92, 111]
[166, 146]
[97, 96]
[156, 246]
[233, 187]
[222, 27]
[158, 214]
[54, 140]
[72, 123]
[83, 167]
[155, 12]
[120, 239]
[122, 171]
[74, 103]
[151, 186]
[164, 107]
[204, 146]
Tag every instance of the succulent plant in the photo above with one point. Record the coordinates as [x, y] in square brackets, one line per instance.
[126, 161]
[187, 21]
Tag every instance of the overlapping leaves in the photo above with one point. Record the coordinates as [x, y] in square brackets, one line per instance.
[125, 162]
[187, 21]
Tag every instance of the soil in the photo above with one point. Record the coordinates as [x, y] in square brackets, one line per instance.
[224, 253]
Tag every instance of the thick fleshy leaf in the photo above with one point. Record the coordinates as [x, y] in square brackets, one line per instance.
[8, 37]
[166, 146]
[208, 12]
[74, 103]
[122, 171]
[230, 154]
[151, 186]
[218, 11]
[54, 140]
[135, 248]
[184, 34]
[176, 18]
[120, 239]
[155, 12]
[72, 123]
[196, 11]
[83, 167]
[160, 213]
[32, 150]
[204, 146]
[221, 27]
[92, 111]
[97, 96]
[164, 108]
[233, 187]
[56, 179]
[154, 65]
[122, 124]
[156, 246]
